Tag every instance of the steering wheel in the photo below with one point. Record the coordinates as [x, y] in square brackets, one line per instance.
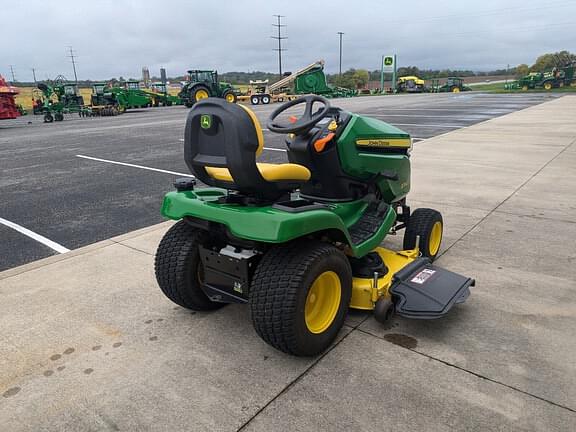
[305, 122]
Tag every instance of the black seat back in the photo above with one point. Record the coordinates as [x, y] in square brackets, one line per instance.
[224, 135]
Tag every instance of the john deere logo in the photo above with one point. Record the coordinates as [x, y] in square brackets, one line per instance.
[388, 61]
[206, 121]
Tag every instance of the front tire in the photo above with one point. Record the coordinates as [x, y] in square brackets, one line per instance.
[427, 224]
[254, 100]
[300, 295]
[230, 96]
[179, 270]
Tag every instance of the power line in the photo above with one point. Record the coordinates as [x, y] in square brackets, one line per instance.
[73, 63]
[279, 38]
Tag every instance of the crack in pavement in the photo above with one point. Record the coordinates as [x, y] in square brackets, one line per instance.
[495, 209]
[301, 376]
[474, 373]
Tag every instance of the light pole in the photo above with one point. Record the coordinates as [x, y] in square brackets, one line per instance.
[340, 70]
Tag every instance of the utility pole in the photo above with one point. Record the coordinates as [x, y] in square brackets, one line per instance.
[34, 74]
[73, 63]
[340, 70]
[12, 72]
[279, 38]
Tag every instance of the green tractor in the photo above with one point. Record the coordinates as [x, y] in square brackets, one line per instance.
[59, 98]
[202, 84]
[132, 96]
[158, 92]
[109, 99]
[559, 76]
[300, 242]
[105, 102]
[453, 85]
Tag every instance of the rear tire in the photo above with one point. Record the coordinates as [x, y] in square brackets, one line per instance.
[300, 295]
[254, 100]
[179, 270]
[428, 225]
[265, 99]
[199, 92]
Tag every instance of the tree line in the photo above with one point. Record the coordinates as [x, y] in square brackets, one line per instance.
[358, 78]
[546, 62]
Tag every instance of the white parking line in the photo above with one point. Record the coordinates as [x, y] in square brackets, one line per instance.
[275, 149]
[135, 166]
[41, 239]
[427, 116]
[430, 125]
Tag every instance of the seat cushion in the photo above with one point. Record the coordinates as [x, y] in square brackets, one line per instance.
[270, 172]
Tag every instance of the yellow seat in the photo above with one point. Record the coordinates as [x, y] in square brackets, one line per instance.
[270, 172]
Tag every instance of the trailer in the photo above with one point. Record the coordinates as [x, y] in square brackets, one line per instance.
[259, 92]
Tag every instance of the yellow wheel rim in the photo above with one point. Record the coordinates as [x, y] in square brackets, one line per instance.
[201, 94]
[435, 238]
[230, 97]
[456, 90]
[525, 88]
[322, 302]
[547, 86]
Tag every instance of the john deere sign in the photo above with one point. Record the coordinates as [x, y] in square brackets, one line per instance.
[388, 67]
[388, 64]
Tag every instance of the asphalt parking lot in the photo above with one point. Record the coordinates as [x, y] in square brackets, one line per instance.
[84, 180]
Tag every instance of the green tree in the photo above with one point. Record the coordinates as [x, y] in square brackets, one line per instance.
[550, 60]
[360, 78]
[521, 70]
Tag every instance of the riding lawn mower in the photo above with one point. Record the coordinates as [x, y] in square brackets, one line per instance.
[300, 242]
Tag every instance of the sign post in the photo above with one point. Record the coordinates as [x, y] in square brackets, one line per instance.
[388, 66]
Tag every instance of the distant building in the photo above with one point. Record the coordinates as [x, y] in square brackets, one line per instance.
[145, 76]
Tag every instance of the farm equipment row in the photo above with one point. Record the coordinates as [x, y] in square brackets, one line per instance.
[561, 75]
[413, 84]
[56, 98]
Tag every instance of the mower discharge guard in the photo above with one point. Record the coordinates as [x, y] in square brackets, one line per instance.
[422, 290]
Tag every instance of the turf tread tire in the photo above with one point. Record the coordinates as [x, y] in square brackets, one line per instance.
[277, 301]
[176, 267]
[420, 224]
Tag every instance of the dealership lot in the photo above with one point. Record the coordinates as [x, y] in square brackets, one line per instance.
[90, 343]
[80, 181]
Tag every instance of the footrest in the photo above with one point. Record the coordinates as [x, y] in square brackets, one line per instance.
[422, 290]
[368, 224]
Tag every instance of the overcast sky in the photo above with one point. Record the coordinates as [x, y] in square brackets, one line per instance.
[116, 38]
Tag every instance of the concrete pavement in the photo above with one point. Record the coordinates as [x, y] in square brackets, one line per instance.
[88, 341]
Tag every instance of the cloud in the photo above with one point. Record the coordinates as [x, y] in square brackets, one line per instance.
[117, 38]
